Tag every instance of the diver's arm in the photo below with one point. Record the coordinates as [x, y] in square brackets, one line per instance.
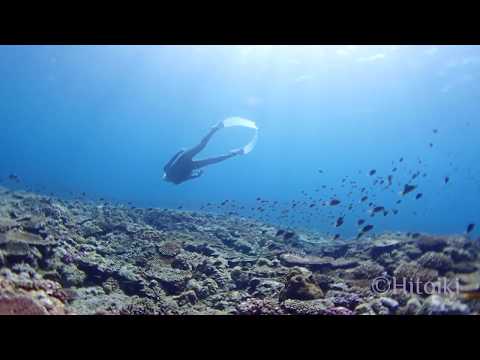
[172, 160]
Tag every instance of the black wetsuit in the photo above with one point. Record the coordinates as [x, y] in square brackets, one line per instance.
[181, 166]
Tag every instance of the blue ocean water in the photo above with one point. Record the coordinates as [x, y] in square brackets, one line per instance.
[105, 119]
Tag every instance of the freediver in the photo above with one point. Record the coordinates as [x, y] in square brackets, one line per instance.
[182, 167]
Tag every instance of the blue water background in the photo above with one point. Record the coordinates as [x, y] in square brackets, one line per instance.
[105, 119]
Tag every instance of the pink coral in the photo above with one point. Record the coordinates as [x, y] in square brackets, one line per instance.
[20, 305]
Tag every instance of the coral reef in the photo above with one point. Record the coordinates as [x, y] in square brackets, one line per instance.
[72, 257]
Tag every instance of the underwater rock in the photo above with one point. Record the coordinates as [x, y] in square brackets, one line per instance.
[437, 261]
[390, 303]
[187, 297]
[254, 306]
[364, 309]
[379, 308]
[7, 224]
[111, 285]
[413, 272]
[459, 255]
[227, 301]
[93, 300]
[240, 277]
[195, 263]
[313, 262]
[202, 289]
[368, 270]
[217, 271]
[95, 266]
[263, 288]
[242, 246]
[18, 252]
[431, 243]
[24, 295]
[169, 249]
[173, 281]
[412, 251]
[129, 281]
[145, 306]
[412, 307]
[16, 236]
[464, 267]
[344, 299]
[301, 287]
[71, 276]
[243, 260]
[323, 281]
[334, 251]
[338, 310]
[90, 229]
[383, 246]
[438, 305]
[187, 261]
[20, 305]
[202, 248]
[264, 262]
[344, 263]
[309, 307]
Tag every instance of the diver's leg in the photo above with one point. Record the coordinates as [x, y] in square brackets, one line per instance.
[195, 150]
[202, 163]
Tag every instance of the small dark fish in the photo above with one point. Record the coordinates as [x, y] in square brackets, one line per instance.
[447, 179]
[389, 178]
[364, 198]
[470, 228]
[367, 228]
[14, 177]
[419, 195]
[360, 222]
[280, 232]
[339, 222]
[334, 202]
[408, 188]
[431, 145]
[320, 171]
[395, 211]
[312, 205]
[399, 201]
[372, 172]
[385, 213]
[435, 131]
[378, 209]
[401, 159]
[350, 207]
[336, 237]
